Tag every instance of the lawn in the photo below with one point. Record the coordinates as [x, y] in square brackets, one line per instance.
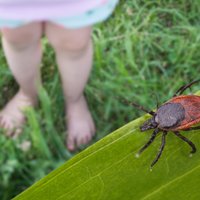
[146, 49]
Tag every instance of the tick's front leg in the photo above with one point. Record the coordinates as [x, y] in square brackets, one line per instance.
[153, 136]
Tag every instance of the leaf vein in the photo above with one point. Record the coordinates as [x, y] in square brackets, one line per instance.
[167, 184]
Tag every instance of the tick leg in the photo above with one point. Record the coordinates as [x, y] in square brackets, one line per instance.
[192, 128]
[153, 136]
[186, 140]
[184, 87]
[142, 108]
[161, 149]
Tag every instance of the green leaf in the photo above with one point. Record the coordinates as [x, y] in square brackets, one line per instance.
[109, 170]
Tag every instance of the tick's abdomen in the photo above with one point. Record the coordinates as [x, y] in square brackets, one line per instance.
[191, 106]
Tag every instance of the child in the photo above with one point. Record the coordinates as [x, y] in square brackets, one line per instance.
[67, 26]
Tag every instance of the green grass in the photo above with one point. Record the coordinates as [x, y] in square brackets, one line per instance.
[146, 47]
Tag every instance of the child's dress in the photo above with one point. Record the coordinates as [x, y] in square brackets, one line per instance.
[69, 13]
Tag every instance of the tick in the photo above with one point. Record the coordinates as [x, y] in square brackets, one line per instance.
[180, 113]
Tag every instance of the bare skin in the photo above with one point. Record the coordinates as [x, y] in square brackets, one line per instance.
[23, 53]
[12, 117]
[74, 57]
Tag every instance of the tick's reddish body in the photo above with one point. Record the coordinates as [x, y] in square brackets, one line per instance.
[181, 112]
[191, 104]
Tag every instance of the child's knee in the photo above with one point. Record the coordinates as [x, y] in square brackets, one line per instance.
[23, 36]
[68, 40]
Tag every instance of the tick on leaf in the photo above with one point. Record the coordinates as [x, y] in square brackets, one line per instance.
[181, 112]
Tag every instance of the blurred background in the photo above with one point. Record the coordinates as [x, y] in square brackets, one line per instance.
[146, 48]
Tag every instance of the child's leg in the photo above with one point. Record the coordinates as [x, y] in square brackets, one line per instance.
[23, 52]
[74, 56]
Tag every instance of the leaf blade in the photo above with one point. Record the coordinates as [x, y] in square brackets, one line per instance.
[109, 170]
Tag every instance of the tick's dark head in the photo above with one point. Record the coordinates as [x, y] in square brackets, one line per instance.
[149, 124]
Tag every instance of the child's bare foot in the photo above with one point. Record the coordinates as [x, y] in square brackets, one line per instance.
[80, 124]
[12, 117]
